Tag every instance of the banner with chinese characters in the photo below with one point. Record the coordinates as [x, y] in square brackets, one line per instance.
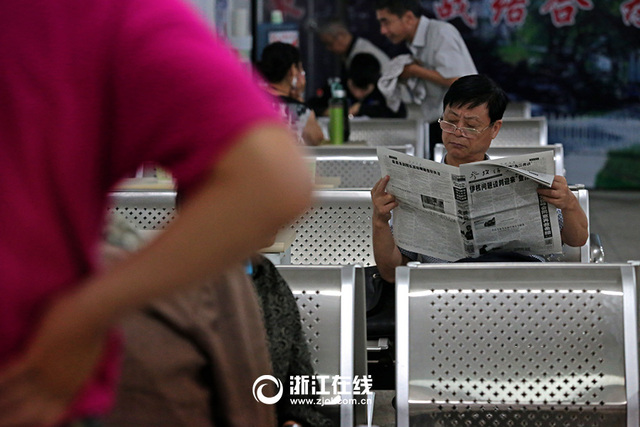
[576, 61]
[514, 12]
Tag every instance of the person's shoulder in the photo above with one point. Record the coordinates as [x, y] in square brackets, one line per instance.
[363, 45]
[293, 104]
[442, 30]
[376, 95]
[364, 41]
[290, 100]
[443, 25]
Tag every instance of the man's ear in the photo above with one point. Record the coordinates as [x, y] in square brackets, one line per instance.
[496, 128]
[370, 88]
[292, 71]
[408, 17]
[291, 75]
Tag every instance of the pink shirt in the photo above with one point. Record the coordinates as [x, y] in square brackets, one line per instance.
[89, 90]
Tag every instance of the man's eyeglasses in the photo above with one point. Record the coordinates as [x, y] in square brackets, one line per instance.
[465, 132]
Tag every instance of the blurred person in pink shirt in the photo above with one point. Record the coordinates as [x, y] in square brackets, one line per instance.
[92, 90]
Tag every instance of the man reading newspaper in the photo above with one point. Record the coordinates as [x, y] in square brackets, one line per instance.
[470, 207]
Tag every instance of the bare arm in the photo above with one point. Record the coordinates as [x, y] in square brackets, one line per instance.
[260, 185]
[418, 71]
[355, 109]
[312, 133]
[385, 251]
[576, 227]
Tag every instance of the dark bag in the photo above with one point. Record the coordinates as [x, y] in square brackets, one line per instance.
[381, 304]
[375, 286]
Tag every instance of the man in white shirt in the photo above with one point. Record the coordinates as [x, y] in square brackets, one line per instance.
[440, 54]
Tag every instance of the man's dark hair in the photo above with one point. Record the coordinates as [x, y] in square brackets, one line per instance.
[474, 90]
[364, 70]
[399, 7]
[276, 61]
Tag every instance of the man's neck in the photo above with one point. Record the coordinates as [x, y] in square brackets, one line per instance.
[352, 42]
[458, 163]
[415, 21]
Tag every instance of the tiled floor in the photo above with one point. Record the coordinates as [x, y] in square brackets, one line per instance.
[615, 216]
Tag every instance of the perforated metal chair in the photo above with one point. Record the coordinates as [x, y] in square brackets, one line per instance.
[356, 166]
[583, 253]
[331, 299]
[522, 131]
[331, 304]
[414, 111]
[336, 230]
[147, 211]
[385, 132]
[519, 109]
[517, 345]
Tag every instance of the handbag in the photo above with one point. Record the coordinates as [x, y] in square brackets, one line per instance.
[380, 303]
[374, 287]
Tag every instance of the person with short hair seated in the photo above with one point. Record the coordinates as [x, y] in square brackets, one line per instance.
[472, 117]
[362, 81]
[281, 67]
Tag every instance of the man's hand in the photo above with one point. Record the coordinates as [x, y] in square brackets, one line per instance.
[383, 202]
[410, 70]
[354, 109]
[415, 69]
[38, 387]
[559, 195]
[386, 253]
[575, 231]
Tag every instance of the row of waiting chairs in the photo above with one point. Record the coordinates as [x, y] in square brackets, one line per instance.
[489, 344]
[411, 137]
[357, 167]
[515, 109]
[515, 131]
[336, 230]
[519, 129]
[340, 217]
[384, 132]
[347, 166]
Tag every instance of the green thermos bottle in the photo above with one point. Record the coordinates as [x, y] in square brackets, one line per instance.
[337, 115]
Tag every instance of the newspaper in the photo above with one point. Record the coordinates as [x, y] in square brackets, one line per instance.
[453, 213]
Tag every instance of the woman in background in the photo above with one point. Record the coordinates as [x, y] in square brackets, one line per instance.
[282, 69]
